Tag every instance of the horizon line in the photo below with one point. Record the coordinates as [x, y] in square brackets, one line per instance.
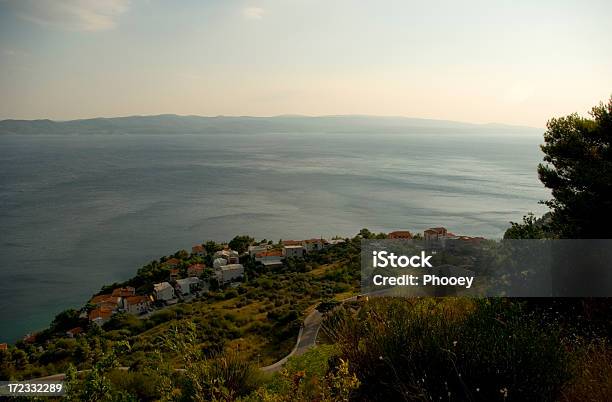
[272, 117]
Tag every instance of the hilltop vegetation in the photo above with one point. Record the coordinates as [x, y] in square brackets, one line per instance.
[260, 317]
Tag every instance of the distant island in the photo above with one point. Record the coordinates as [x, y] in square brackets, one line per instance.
[170, 123]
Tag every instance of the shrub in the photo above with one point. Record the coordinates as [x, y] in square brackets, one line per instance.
[593, 374]
[449, 349]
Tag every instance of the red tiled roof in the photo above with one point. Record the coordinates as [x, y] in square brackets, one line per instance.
[198, 249]
[3, 346]
[271, 253]
[75, 331]
[172, 261]
[292, 243]
[313, 241]
[124, 292]
[30, 338]
[107, 305]
[137, 299]
[104, 298]
[400, 234]
[195, 269]
[100, 313]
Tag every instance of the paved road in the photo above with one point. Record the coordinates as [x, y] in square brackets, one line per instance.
[307, 338]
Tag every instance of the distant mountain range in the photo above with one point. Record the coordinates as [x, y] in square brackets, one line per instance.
[171, 124]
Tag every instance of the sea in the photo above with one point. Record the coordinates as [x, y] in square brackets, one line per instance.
[81, 211]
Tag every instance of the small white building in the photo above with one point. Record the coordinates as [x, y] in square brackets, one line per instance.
[163, 291]
[136, 304]
[187, 285]
[231, 256]
[219, 262]
[229, 273]
[293, 251]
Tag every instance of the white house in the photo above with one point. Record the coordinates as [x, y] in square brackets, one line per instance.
[163, 291]
[185, 286]
[270, 258]
[219, 262]
[230, 272]
[136, 304]
[231, 256]
[293, 251]
[313, 245]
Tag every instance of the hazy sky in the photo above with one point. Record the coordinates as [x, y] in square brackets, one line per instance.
[517, 62]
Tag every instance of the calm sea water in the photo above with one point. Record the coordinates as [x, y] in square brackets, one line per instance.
[78, 212]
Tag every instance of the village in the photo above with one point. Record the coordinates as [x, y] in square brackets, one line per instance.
[184, 284]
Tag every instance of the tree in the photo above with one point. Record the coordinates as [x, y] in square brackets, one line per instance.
[241, 243]
[578, 170]
[366, 234]
[212, 247]
[531, 228]
[65, 320]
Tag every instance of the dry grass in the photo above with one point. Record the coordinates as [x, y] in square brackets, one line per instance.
[592, 375]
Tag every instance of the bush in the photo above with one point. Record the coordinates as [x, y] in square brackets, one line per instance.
[449, 349]
[593, 374]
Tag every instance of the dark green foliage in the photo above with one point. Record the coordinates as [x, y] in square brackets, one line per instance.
[241, 243]
[531, 228]
[578, 170]
[66, 320]
[327, 305]
[212, 247]
[403, 350]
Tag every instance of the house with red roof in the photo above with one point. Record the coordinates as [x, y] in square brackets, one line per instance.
[30, 338]
[195, 270]
[106, 300]
[136, 304]
[291, 242]
[400, 234]
[124, 292]
[172, 262]
[435, 233]
[100, 316]
[198, 250]
[74, 332]
[270, 258]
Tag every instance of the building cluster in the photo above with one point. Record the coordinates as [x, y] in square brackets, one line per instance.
[226, 269]
[438, 237]
[121, 299]
[271, 257]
